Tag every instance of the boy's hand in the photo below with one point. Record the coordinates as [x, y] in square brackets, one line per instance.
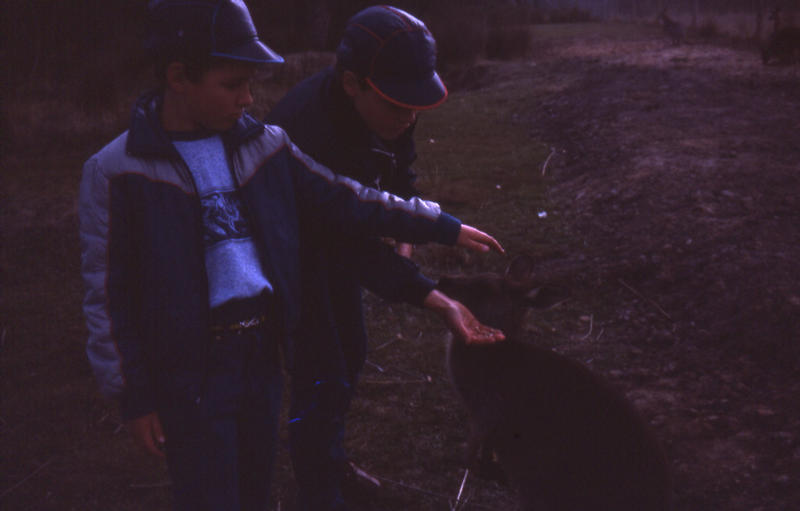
[404, 249]
[147, 432]
[479, 241]
[461, 321]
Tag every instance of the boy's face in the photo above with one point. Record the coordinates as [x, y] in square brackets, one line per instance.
[219, 98]
[381, 116]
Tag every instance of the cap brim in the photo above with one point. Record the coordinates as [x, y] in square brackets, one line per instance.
[415, 94]
[252, 51]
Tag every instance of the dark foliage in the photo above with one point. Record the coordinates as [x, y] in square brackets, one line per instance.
[708, 29]
[570, 15]
[508, 43]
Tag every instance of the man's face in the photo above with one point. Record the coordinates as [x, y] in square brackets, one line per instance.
[219, 98]
[382, 117]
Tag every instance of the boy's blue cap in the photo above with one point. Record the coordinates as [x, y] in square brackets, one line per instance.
[396, 54]
[224, 28]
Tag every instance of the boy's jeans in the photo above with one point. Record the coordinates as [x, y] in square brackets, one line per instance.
[221, 445]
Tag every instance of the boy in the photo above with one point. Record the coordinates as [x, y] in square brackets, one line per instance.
[358, 118]
[191, 225]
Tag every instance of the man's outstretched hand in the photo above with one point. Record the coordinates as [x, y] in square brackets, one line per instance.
[461, 321]
[479, 241]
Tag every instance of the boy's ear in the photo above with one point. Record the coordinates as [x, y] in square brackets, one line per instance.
[350, 83]
[176, 76]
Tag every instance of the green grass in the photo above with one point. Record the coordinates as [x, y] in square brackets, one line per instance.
[478, 160]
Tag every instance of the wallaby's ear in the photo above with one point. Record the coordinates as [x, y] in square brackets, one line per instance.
[520, 270]
[544, 298]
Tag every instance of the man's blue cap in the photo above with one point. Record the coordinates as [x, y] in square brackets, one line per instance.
[223, 28]
[396, 54]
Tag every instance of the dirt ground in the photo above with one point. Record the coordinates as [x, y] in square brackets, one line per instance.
[678, 171]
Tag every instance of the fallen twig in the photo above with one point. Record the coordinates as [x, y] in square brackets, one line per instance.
[25, 479]
[427, 492]
[591, 326]
[544, 165]
[376, 366]
[652, 302]
[360, 472]
[457, 503]
[413, 488]
[396, 382]
[387, 343]
[147, 486]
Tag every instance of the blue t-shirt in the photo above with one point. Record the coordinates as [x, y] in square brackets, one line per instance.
[232, 264]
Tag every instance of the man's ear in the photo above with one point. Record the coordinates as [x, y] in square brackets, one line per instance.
[351, 83]
[176, 78]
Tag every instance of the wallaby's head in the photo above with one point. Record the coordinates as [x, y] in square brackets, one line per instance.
[500, 300]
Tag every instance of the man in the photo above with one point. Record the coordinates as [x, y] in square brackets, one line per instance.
[357, 118]
[191, 224]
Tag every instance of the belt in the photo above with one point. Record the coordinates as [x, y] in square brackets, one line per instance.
[240, 326]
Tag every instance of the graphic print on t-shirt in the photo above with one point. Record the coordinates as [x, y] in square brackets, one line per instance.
[233, 265]
[223, 218]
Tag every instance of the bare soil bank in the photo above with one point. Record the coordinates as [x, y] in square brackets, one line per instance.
[677, 169]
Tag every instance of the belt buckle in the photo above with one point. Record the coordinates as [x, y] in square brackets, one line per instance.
[238, 327]
[247, 323]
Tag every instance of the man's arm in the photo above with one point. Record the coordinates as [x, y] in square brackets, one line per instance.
[395, 278]
[377, 267]
[344, 204]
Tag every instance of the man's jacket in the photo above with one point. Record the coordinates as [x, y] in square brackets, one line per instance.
[147, 303]
[321, 120]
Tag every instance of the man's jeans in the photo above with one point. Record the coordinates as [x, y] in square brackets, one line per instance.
[316, 431]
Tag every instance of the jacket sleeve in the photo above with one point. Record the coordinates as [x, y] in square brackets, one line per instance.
[377, 267]
[119, 377]
[346, 205]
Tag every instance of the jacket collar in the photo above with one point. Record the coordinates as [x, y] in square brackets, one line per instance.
[345, 117]
[147, 137]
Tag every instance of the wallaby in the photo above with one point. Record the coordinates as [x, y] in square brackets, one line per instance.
[564, 437]
[672, 28]
[784, 42]
[783, 45]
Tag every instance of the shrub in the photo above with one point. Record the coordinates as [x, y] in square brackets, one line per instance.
[509, 15]
[707, 29]
[461, 36]
[570, 15]
[507, 43]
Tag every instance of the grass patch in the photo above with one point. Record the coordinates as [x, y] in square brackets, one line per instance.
[480, 163]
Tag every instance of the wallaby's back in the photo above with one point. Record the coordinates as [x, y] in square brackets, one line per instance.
[672, 29]
[565, 438]
[783, 45]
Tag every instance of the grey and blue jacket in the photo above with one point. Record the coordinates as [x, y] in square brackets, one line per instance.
[147, 300]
